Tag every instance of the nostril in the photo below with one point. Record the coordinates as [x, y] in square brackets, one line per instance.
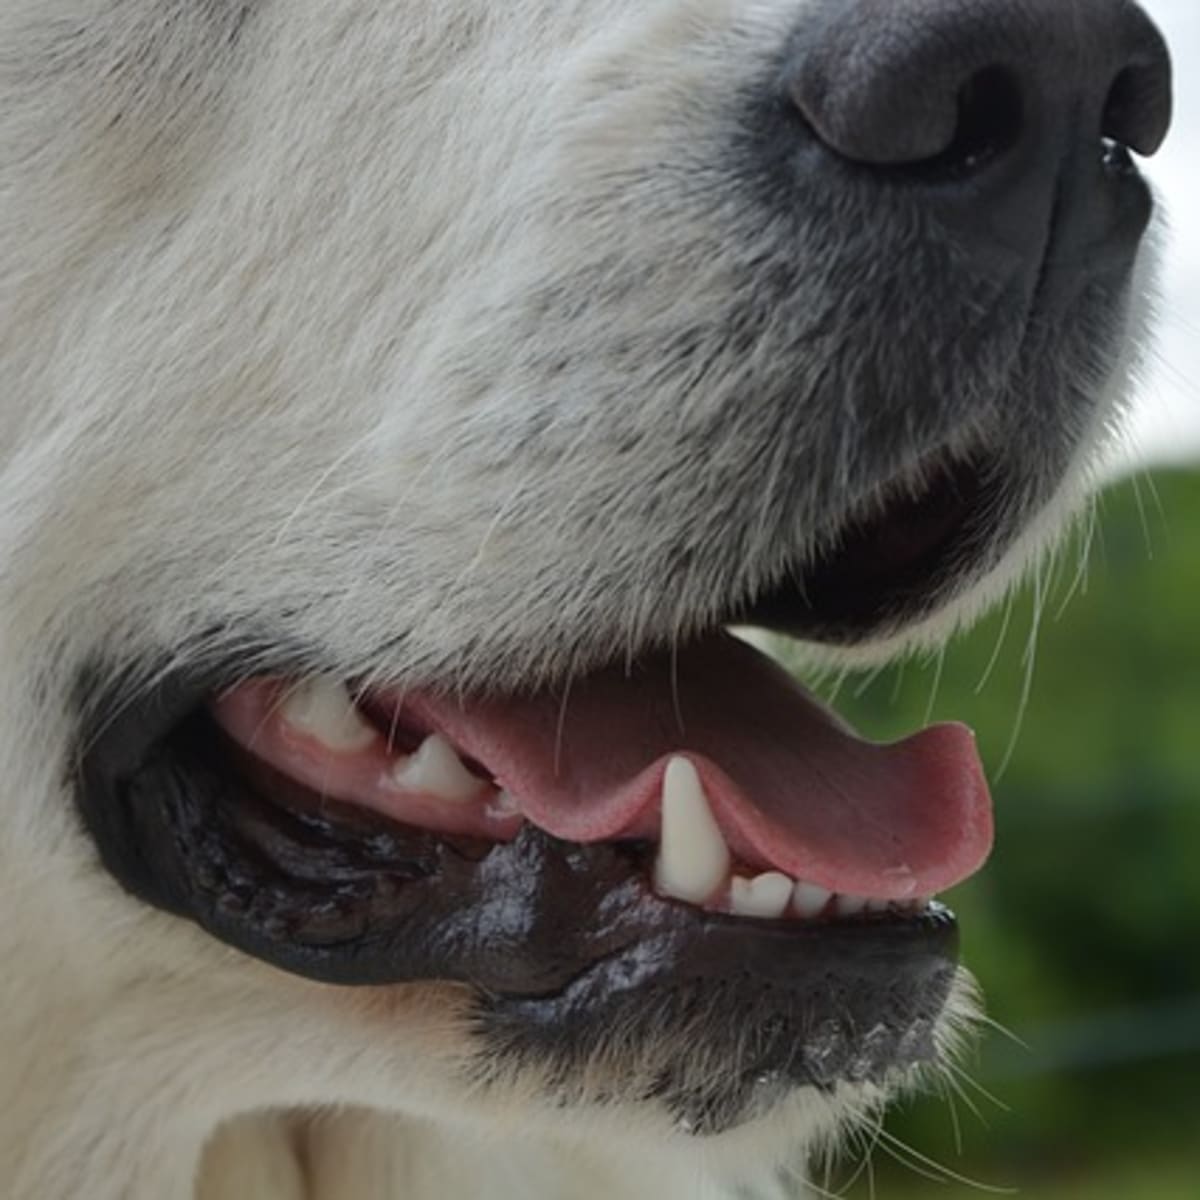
[991, 117]
[1138, 108]
[944, 87]
[1116, 158]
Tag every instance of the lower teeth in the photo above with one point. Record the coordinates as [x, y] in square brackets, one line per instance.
[693, 864]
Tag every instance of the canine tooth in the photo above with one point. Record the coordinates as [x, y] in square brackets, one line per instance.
[763, 896]
[693, 860]
[436, 770]
[322, 708]
[878, 906]
[809, 900]
[849, 906]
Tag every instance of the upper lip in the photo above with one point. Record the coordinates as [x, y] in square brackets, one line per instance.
[894, 556]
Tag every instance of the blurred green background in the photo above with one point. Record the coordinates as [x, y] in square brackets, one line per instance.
[1084, 929]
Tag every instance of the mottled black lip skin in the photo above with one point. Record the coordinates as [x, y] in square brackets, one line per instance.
[564, 943]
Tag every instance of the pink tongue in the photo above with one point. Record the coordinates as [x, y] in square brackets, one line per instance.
[790, 785]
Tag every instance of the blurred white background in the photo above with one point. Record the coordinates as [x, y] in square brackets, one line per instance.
[1166, 426]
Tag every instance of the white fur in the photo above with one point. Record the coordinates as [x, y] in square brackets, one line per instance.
[282, 285]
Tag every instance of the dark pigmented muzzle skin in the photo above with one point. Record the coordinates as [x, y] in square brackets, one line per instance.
[564, 943]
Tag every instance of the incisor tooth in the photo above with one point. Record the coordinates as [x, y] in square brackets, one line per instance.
[849, 906]
[322, 708]
[503, 805]
[693, 860]
[763, 896]
[436, 770]
[809, 901]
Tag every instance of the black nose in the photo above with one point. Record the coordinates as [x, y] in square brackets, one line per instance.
[960, 83]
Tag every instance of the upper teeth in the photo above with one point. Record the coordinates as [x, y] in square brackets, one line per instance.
[436, 770]
[693, 860]
[323, 709]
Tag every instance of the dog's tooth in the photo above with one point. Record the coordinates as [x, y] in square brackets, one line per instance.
[322, 708]
[878, 906]
[763, 896]
[503, 804]
[693, 860]
[849, 906]
[436, 770]
[809, 901]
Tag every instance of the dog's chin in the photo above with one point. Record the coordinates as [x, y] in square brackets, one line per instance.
[677, 882]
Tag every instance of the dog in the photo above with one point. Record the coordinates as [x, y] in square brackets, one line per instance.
[399, 404]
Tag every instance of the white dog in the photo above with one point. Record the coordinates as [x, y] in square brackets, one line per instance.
[397, 401]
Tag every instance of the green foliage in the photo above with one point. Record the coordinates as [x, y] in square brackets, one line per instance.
[1085, 927]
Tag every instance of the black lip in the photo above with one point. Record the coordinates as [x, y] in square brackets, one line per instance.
[564, 943]
[894, 563]
[774, 1007]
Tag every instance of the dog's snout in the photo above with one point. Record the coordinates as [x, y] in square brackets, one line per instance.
[962, 83]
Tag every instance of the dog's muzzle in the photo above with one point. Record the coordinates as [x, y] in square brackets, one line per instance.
[679, 842]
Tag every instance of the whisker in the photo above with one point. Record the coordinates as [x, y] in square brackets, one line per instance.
[1030, 658]
[1006, 621]
[929, 1168]
[939, 666]
[964, 1079]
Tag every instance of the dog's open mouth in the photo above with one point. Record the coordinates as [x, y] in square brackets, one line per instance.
[758, 801]
[626, 848]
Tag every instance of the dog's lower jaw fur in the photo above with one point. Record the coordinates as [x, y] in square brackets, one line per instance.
[115, 1109]
[359, 1155]
[356, 1155]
